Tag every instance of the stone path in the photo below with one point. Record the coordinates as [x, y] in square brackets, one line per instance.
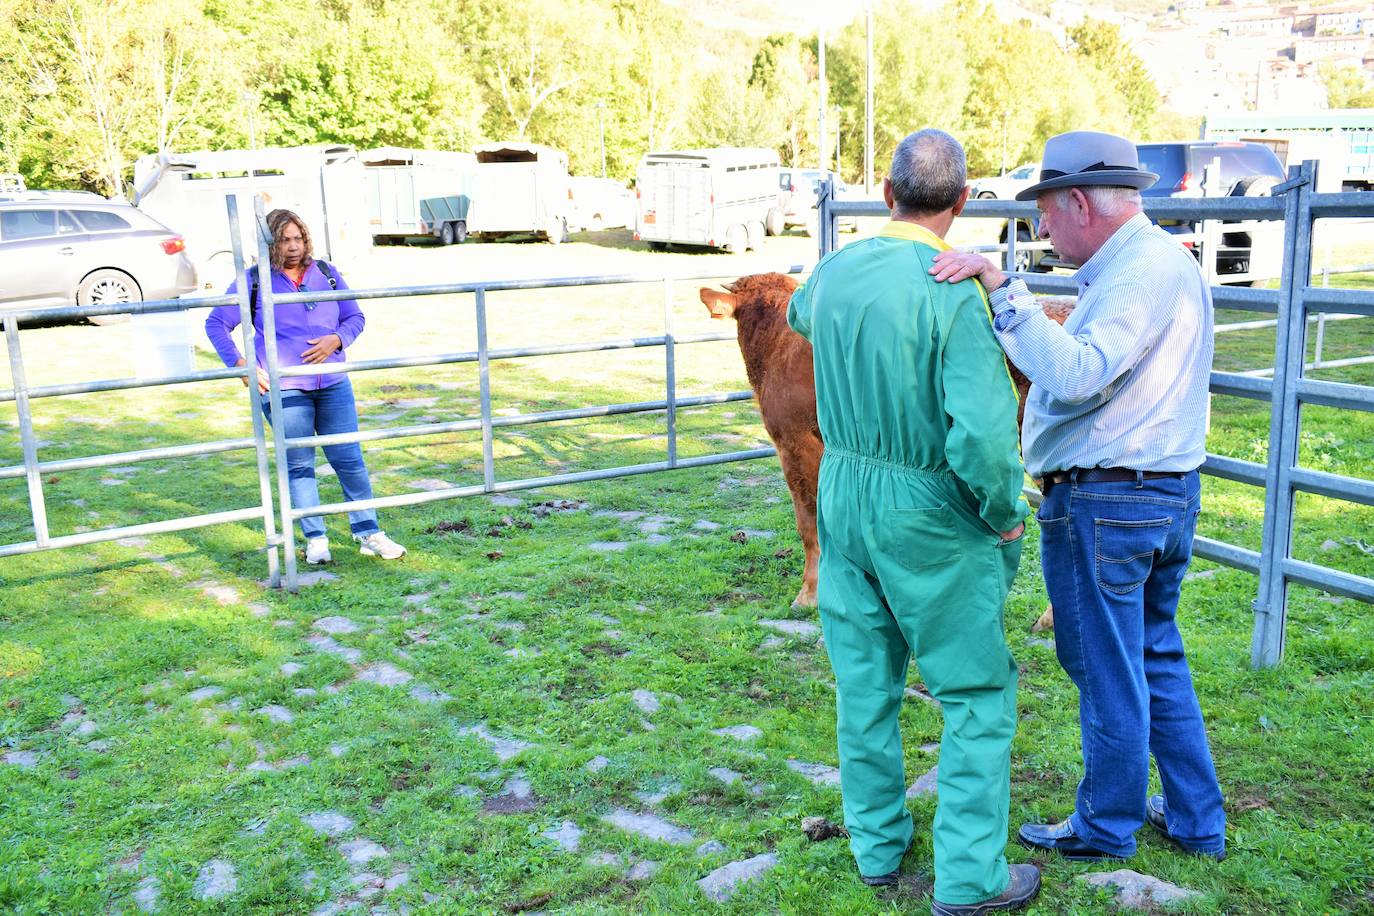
[1143, 892]
[818, 773]
[217, 879]
[739, 732]
[722, 884]
[926, 785]
[504, 748]
[649, 826]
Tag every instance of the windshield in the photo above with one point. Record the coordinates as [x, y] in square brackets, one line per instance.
[1168, 162]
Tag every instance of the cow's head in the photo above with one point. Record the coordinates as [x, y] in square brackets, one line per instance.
[755, 289]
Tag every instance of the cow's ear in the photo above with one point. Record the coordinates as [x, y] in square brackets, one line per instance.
[721, 305]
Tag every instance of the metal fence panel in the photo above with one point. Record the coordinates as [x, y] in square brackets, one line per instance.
[1295, 203]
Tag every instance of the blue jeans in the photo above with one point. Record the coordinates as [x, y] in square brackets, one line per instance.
[1114, 554]
[323, 412]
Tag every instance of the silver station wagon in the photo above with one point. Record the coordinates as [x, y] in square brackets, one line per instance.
[59, 248]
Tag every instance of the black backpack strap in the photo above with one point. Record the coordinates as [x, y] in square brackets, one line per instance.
[328, 273]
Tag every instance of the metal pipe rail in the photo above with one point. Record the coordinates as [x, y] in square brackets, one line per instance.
[1294, 303]
[32, 469]
[486, 423]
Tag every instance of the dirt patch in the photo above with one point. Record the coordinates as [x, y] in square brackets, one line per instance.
[511, 804]
[918, 886]
[604, 648]
[461, 526]
[533, 903]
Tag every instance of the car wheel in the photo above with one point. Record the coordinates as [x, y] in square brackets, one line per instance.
[448, 235]
[986, 195]
[1254, 186]
[108, 287]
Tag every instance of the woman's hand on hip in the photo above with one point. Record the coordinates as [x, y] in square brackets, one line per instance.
[322, 348]
[263, 380]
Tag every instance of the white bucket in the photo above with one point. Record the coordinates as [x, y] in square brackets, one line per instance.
[162, 344]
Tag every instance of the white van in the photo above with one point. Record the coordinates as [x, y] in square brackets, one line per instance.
[718, 198]
[520, 189]
[187, 191]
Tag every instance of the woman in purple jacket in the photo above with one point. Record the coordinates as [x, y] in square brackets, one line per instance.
[309, 333]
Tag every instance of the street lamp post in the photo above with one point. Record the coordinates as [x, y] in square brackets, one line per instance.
[250, 100]
[1005, 114]
[601, 129]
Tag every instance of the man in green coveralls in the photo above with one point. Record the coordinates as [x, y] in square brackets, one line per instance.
[920, 522]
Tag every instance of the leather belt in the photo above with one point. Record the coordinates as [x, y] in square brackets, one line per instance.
[1090, 475]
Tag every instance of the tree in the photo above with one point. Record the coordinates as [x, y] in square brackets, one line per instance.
[1100, 43]
[1346, 86]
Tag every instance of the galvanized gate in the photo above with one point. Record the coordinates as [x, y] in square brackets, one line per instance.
[1288, 391]
[278, 519]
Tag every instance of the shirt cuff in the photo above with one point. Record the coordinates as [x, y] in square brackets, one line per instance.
[1012, 304]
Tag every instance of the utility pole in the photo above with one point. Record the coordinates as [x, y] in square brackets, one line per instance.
[820, 139]
[1005, 114]
[250, 101]
[868, 100]
[601, 129]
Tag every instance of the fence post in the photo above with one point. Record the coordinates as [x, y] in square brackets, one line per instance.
[250, 366]
[1211, 237]
[670, 369]
[28, 442]
[1271, 607]
[484, 387]
[267, 306]
[825, 220]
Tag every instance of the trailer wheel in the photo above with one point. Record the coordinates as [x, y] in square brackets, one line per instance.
[776, 221]
[447, 235]
[756, 232]
[460, 232]
[736, 239]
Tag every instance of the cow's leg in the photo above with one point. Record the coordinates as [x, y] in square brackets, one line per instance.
[801, 465]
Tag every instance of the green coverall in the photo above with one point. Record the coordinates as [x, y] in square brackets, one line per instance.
[921, 472]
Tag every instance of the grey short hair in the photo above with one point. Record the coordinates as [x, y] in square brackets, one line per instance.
[928, 172]
[1105, 200]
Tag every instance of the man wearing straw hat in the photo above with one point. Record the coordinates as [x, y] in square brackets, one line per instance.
[1115, 426]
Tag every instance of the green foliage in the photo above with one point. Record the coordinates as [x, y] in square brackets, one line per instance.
[86, 87]
[1347, 87]
[1101, 45]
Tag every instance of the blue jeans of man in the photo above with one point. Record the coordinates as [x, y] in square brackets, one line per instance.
[324, 412]
[1114, 554]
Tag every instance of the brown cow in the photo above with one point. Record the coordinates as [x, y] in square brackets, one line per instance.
[778, 362]
[779, 365]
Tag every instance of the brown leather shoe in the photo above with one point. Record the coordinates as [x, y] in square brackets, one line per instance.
[1022, 887]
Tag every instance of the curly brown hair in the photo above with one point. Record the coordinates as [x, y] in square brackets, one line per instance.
[277, 221]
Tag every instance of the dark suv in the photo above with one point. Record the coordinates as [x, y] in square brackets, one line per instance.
[1247, 170]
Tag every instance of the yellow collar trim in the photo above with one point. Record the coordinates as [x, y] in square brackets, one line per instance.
[913, 232]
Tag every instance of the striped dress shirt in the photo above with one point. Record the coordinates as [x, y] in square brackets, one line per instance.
[1124, 382]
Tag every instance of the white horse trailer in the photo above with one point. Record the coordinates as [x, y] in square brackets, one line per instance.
[717, 198]
[187, 192]
[413, 192]
[520, 189]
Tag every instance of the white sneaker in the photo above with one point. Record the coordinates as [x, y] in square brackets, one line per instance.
[377, 544]
[317, 550]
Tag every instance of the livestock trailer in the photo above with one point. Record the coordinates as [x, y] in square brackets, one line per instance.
[187, 192]
[520, 189]
[722, 197]
[414, 192]
[1351, 127]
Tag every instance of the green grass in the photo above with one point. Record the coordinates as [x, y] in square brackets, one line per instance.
[122, 634]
